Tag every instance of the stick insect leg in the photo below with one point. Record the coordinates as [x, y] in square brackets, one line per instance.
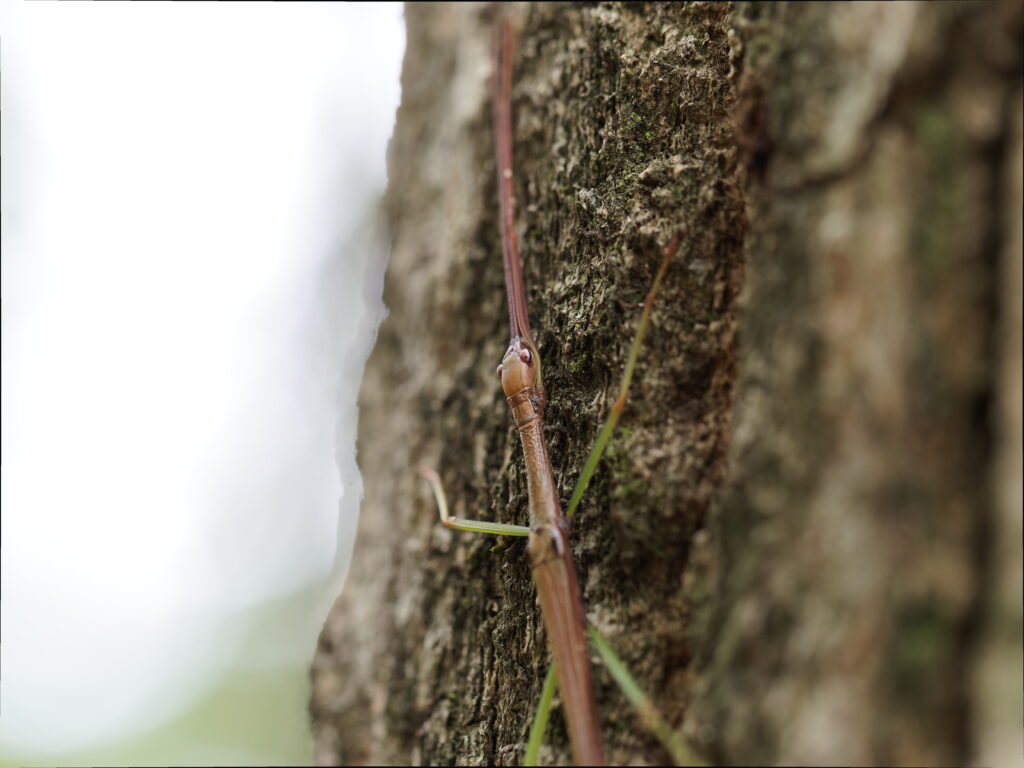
[613, 418]
[649, 715]
[673, 743]
[460, 524]
[540, 719]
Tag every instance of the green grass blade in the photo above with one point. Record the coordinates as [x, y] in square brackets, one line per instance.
[540, 719]
[645, 709]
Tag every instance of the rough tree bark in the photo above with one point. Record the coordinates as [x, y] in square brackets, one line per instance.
[806, 538]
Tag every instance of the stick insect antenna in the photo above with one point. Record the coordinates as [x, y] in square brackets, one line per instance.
[501, 80]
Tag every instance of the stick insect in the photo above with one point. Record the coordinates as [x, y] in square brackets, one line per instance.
[551, 558]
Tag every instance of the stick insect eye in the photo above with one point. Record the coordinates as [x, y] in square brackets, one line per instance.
[525, 356]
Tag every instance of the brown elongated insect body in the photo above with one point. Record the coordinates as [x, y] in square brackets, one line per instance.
[554, 571]
[555, 575]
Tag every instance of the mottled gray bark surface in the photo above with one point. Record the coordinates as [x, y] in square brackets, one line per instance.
[805, 540]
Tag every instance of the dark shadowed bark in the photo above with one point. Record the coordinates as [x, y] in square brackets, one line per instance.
[805, 540]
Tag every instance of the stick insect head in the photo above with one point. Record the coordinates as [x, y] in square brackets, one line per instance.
[520, 368]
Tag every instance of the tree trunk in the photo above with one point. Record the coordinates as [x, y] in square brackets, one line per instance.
[805, 539]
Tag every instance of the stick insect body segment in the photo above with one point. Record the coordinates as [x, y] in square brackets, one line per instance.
[554, 570]
[550, 557]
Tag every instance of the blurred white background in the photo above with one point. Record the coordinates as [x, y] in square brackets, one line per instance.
[190, 286]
